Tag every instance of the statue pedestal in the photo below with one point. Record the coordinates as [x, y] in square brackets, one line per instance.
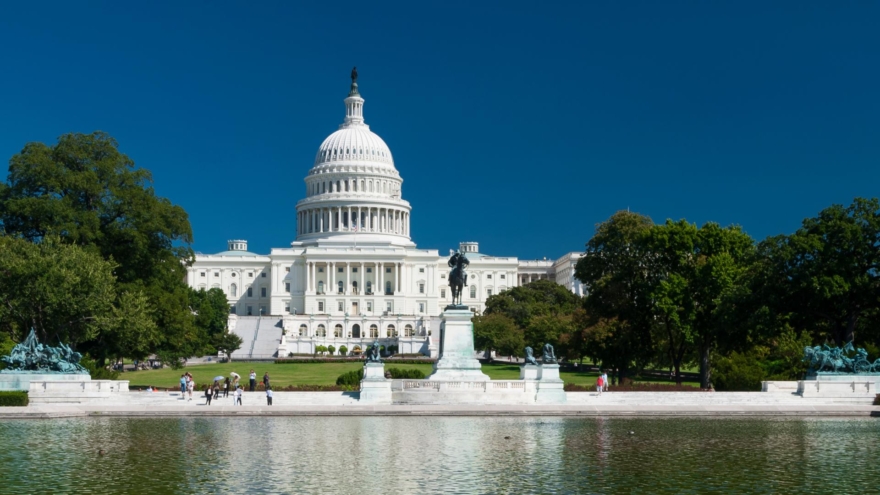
[21, 380]
[457, 361]
[375, 389]
[528, 372]
[551, 389]
[840, 386]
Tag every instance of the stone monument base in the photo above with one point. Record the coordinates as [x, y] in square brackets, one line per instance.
[551, 388]
[842, 386]
[529, 372]
[375, 388]
[76, 392]
[457, 361]
[21, 380]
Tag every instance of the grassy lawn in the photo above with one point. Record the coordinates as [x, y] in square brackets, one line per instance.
[321, 373]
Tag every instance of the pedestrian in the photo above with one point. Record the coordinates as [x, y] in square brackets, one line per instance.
[182, 384]
[235, 378]
[604, 380]
[226, 388]
[237, 398]
[209, 393]
[266, 380]
[190, 385]
[253, 378]
[269, 396]
[599, 385]
[216, 390]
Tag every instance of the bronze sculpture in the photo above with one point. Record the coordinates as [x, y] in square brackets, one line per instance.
[530, 356]
[34, 357]
[549, 356]
[373, 353]
[457, 277]
[354, 75]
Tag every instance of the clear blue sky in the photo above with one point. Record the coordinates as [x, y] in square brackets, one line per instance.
[533, 121]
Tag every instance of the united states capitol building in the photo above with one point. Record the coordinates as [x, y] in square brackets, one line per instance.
[353, 274]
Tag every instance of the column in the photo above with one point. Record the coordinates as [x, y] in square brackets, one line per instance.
[361, 286]
[350, 226]
[308, 279]
[331, 277]
[321, 221]
[399, 278]
[380, 279]
[347, 279]
[338, 219]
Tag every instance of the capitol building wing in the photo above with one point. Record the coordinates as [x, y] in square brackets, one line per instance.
[353, 275]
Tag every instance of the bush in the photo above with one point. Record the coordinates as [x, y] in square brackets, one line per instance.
[331, 349]
[13, 398]
[405, 374]
[738, 373]
[97, 372]
[311, 359]
[351, 379]
[343, 350]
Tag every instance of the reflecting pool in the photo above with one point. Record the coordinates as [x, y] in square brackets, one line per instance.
[439, 455]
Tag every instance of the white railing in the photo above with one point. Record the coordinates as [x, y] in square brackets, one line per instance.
[494, 386]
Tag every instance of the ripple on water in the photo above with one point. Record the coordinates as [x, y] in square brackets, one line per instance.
[438, 455]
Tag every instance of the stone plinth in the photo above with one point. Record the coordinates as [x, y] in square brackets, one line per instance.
[551, 389]
[375, 389]
[839, 386]
[528, 372]
[457, 361]
[77, 392]
[492, 392]
[21, 381]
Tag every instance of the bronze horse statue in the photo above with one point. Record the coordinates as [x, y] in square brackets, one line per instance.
[457, 276]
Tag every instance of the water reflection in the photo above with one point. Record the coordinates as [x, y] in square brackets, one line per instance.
[434, 455]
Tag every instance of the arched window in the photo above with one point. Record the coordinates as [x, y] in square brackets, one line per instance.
[408, 331]
[320, 286]
[391, 331]
[303, 330]
[337, 331]
[473, 292]
[233, 290]
[356, 331]
[337, 186]
[374, 332]
[340, 286]
[322, 331]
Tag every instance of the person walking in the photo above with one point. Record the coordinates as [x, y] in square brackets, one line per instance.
[268, 396]
[253, 379]
[226, 388]
[604, 380]
[216, 390]
[599, 384]
[190, 385]
[266, 380]
[209, 393]
[182, 385]
[237, 397]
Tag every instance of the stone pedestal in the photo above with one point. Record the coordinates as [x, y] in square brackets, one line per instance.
[839, 386]
[528, 372]
[21, 380]
[375, 389]
[76, 392]
[457, 361]
[551, 389]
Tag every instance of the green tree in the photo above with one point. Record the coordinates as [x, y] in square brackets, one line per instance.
[343, 350]
[331, 349]
[499, 333]
[129, 330]
[825, 278]
[618, 280]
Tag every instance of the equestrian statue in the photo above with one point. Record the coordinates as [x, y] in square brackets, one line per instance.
[457, 277]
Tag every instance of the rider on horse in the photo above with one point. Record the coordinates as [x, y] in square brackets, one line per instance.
[457, 276]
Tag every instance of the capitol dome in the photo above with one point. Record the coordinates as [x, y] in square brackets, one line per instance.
[353, 186]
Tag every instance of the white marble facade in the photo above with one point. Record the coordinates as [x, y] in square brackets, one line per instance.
[353, 274]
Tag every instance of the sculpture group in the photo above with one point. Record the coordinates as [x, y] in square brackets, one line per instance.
[825, 359]
[31, 356]
[548, 355]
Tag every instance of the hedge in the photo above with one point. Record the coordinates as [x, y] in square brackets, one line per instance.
[405, 374]
[13, 398]
[350, 379]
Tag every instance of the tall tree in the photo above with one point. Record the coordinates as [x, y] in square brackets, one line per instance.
[618, 282]
[498, 332]
[827, 274]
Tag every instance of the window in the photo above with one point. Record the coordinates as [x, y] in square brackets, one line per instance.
[250, 292]
[473, 291]
[339, 270]
[202, 274]
[442, 293]
[322, 331]
[503, 276]
[388, 270]
[391, 331]
[408, 331]
[320, 287]
[250, 310]
[320, 306]
[287, 269]
[369, 287]
[340, 287]
[421, 270]
[251, 274]
[287, 287]
[339, 306]
[232, 309]
[263, 310]
[388, 288]
[320, 269]
[369, 270]
[443, 275]
[287, 308]
[488, 292]
[263, 274]
[370, 306]
[262, 292]
[337, 331]
[388, 306]
[374, 332]
[356, 331]
[233, 290]
[421, 288]
[421, 307]
[303, 330]
[354, 270]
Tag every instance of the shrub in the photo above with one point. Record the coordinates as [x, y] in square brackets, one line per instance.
[351, 379]
[738, 372]
[343, 350]
[405, 374]
[97, 372]
[331, 349]
[311, 359]
[13, 398]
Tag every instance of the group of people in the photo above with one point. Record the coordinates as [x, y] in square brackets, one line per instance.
[213, 391]
[602, 382]
[187, 384]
